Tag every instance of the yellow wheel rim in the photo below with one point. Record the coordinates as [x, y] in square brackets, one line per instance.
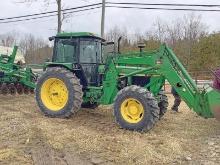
[132, 110]
[54, 94]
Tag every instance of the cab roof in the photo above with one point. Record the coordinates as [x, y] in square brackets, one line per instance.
[79, 34]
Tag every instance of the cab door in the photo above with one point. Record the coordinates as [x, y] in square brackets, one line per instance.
[90, 58]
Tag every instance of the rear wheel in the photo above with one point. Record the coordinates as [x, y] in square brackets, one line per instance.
[136, 109]
[59, 93]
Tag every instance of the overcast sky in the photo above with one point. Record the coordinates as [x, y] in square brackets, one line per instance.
[134, 20]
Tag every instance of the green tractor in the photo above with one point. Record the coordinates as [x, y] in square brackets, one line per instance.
[82, 75]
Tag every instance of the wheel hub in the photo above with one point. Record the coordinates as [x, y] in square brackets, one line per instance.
[132, 110]
[54, 94]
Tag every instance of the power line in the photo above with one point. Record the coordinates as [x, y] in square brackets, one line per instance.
[117, 5]
[156, 8]
[163, 4]
[50, 12]
[51, 15]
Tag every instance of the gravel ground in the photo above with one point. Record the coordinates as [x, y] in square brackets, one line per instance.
[92, 137]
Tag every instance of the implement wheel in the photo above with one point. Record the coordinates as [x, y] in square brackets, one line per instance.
[11, 89]
[59, 93]
[20, 89]
[163, 103]
[136, 109]
[4, 89]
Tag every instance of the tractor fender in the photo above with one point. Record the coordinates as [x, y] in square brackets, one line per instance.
[68, 66]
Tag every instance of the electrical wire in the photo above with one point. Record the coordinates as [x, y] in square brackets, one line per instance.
[50, 12]
[156, 8]
[109, 5]
[51, 15]
[162, 4]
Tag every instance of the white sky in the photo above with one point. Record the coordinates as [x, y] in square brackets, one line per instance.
[134, 20]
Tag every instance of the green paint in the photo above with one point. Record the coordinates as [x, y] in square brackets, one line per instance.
[54, 64]
[13, 73]
[78, 34]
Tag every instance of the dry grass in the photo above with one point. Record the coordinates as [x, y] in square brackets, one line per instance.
[93, 134]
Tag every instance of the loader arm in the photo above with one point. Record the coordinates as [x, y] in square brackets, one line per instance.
[177, 76]
[163, 65]
[205, 102]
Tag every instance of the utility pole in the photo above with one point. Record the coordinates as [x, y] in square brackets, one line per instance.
[103, 19]
[59, 14]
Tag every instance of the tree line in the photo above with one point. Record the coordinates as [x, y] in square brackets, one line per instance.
[35, 49]
[196, 47]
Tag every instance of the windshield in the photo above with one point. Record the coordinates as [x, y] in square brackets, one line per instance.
[65, 51]
[90, 52]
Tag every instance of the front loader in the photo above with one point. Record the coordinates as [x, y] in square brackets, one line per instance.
[81, 75]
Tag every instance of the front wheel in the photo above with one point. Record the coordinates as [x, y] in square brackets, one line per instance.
[136, 109]
[59, 93]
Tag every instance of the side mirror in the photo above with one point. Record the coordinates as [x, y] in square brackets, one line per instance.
[51, 38]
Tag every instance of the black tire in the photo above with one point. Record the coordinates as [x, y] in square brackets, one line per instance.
[11, 89]
[74, 89]
[26, 90]
[4, 89]
[90, 105]
[163, 103]
[149, 103]
[20, 89]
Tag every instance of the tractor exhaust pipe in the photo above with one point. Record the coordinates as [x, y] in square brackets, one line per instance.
[119, 42]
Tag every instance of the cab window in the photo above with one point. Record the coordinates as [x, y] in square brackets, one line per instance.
[90, 52]
[65, 51]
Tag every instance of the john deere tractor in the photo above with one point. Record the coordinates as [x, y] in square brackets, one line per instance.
[82, 75]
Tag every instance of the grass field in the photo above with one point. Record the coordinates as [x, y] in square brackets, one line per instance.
[92, 137]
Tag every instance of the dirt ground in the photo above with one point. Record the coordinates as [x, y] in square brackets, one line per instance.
[92, 137]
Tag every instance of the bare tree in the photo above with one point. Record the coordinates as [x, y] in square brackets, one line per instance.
[193, 30]
[174, 32]
[160, 29]
[9, 39]
[34, 49]
[193, 27]
[116, 32]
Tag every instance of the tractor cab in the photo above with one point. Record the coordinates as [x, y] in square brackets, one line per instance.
[84, 51]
